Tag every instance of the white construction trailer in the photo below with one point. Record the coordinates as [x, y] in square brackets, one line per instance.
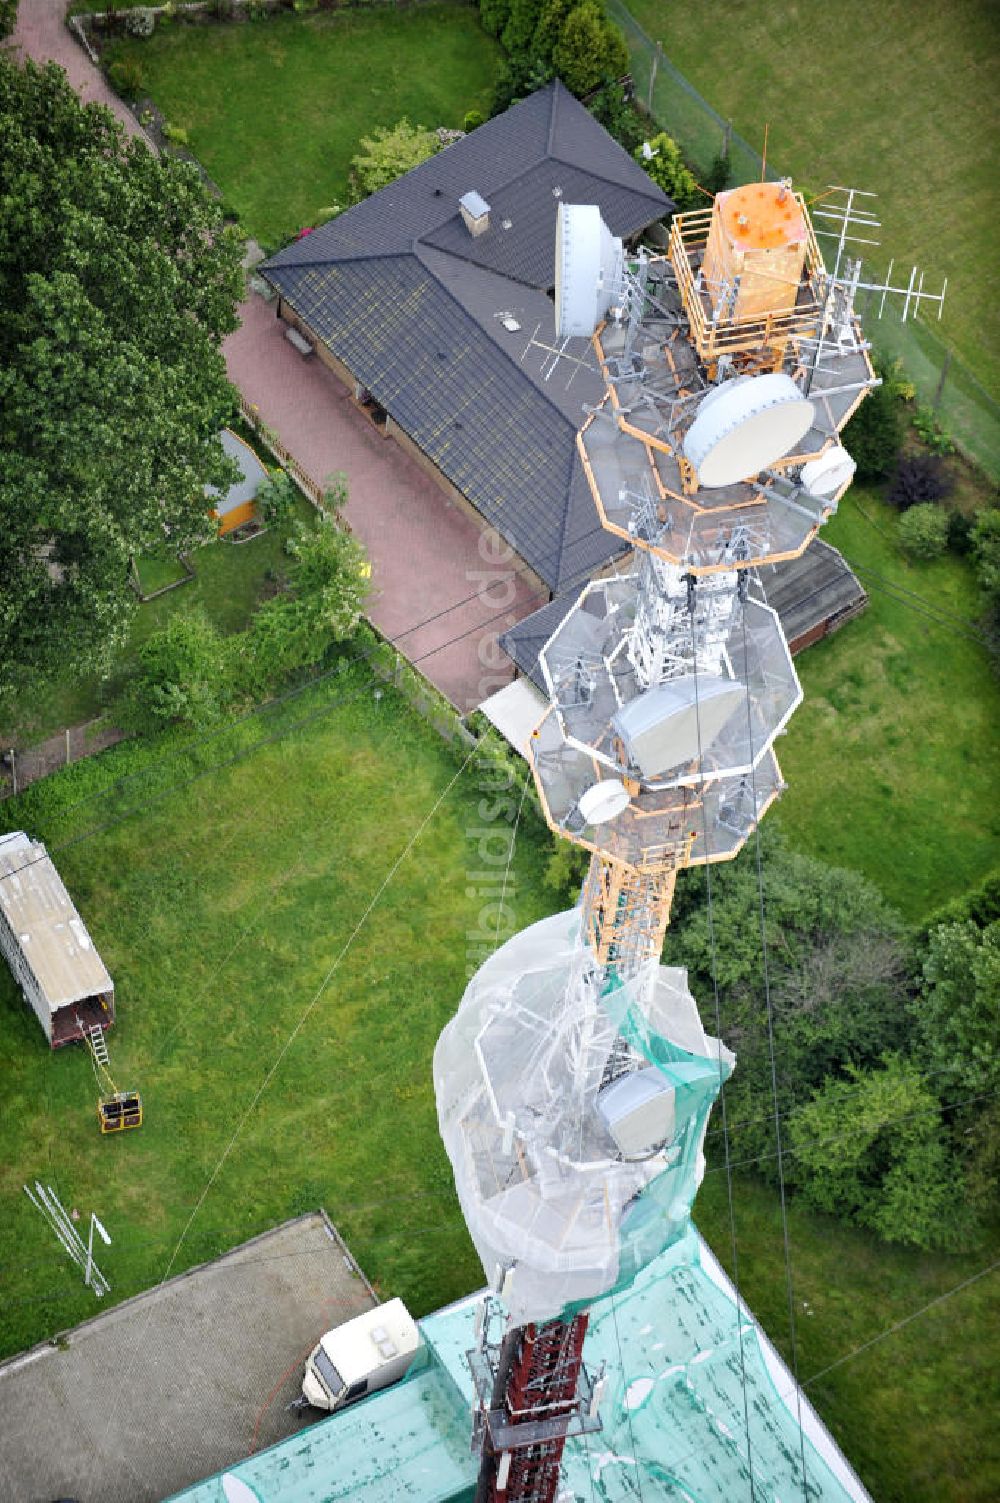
[46, 944]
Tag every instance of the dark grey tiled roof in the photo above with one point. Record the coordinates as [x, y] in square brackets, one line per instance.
[413, 304]
[818, 587]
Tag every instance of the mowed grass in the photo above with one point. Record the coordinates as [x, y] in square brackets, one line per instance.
[901, 99]
[288, 934]
[275, 110]
[892, 758]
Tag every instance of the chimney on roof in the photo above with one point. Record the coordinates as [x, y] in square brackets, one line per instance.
[475, 212]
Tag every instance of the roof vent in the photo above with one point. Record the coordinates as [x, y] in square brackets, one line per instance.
[475, 212]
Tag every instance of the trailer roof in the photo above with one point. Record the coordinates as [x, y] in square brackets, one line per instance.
[52, 936]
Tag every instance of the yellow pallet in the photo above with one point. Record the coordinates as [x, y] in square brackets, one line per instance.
[120, 1112]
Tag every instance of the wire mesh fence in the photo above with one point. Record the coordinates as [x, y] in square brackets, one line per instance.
[963, 406]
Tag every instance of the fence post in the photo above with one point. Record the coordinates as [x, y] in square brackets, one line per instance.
[652, 75]
[727, 138]
[13, 770]
[67, 746]
[939, 393]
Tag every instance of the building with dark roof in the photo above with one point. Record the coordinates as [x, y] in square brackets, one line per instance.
[439, 316]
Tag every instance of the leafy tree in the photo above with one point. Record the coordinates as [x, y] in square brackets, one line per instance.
[551, 20]
[923, 531]
[870, 1148]
[958, 1009]
[389, 152]
[329, 589]
[118, 280]
[8, 18]
[837, 978]
[875, 433]
[590, 49]
[181, 677]
[669, 171]
[494, 15]
[521, 23]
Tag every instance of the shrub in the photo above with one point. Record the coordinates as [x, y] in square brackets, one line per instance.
[473, 119]
[985, 538]
[551, 20]
[923, 531]
[959, 533]
[140, 22]
[223, 10]
[8, 17]
[619, 117]
[126, 77]
[494, 15]
[387, 153]
[329, 589]
[180, 678]
[590, 49]
[931, 431]
[875, 432]
[175, 134]
[918, 478]
[275, 497]
[516, 78]
[719, 173]
[669, 171]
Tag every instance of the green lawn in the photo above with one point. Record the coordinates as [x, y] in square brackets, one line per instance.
[900, 98]
[891, 760]
[221, 910]
[275, 110]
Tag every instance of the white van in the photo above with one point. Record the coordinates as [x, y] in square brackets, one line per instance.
[361, 1356]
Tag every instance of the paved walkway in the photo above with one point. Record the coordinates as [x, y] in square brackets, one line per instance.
[41, 33]
[429, 558]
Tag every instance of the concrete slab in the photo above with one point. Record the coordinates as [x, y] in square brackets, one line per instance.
[181, 1381]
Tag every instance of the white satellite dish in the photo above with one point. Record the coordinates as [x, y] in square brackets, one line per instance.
[603, 801]
[743, 426]
[590, 262]
[237, 1491]
[829, 473]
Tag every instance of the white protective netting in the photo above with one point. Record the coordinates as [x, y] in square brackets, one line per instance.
[543, 1184]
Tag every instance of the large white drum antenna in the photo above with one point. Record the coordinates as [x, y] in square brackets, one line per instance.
[590, 265]
[745, 425]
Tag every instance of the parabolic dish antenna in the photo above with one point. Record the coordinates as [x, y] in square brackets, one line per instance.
[745, 425]
[589, 266]
[237, 1491]
[829, 473]
[603, 801]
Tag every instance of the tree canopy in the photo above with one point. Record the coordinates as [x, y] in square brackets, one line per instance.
[118, 281]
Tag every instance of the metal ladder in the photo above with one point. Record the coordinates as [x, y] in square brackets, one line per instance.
[98, 1045]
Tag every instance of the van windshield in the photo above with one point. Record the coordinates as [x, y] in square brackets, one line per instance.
[329, 1374]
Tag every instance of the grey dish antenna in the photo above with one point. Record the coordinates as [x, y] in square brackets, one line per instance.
[590, 264]
[745, 425]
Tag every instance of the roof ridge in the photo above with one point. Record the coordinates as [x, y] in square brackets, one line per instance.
[655, 193]
[265, 267]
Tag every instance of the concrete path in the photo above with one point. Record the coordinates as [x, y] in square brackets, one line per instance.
[429, 558]
[431, 563]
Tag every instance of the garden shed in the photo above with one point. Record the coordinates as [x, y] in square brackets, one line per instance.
[238, 505]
